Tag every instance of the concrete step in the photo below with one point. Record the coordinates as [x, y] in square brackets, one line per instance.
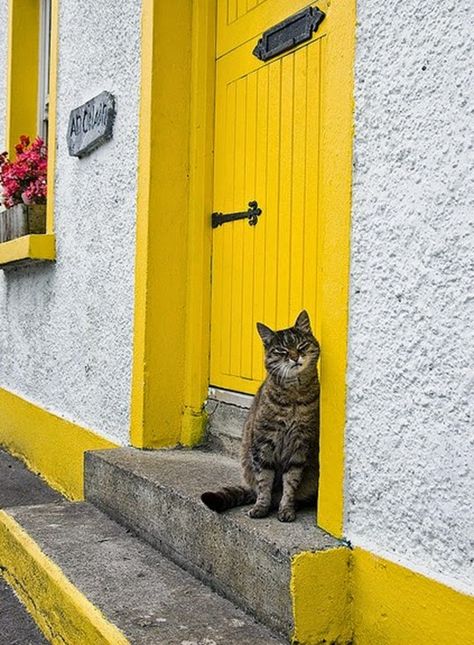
[19, 487]
[224, 427]
[157, 494]
[88, 580]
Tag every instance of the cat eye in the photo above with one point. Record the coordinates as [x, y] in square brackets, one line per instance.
[303, 347]
[280, 352]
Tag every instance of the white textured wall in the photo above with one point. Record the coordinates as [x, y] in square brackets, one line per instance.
[66, 330]
[410, 409]
[3, 68]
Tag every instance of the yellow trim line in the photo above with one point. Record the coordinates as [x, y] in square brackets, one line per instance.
[49, 444]
[59, 609]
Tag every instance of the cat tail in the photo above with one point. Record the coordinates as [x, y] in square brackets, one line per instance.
[228, 497]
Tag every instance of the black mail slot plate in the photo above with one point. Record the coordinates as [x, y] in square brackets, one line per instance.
[290, 32]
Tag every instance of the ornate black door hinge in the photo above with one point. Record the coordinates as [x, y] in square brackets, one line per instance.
[252, 214]
[290, 32]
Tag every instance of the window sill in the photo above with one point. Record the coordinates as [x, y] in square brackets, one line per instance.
[27, 250]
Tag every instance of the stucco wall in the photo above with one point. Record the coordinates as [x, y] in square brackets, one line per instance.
[410, 416]
[66, 330]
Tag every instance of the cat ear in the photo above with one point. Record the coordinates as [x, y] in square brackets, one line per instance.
[302, 322]
[266, 334]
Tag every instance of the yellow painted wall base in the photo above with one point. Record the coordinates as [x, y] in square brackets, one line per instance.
[341, 596]
[50, 445]
[396, 606]
[193, 426]
[320, 595]
[62, 613]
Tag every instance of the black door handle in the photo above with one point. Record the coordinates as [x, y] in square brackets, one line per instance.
[252, 214]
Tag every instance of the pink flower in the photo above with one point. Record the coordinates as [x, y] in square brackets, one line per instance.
[24, 180]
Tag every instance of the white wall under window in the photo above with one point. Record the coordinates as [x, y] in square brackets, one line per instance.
[66, 329]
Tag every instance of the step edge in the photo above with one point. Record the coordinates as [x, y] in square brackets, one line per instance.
[188, 566]
[91, 455]
[42, 586]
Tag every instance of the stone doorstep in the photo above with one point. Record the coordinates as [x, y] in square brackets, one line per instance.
[112, 584]
[157, 495]
[224, 427]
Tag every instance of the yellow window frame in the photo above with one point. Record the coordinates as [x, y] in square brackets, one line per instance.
[22, 111]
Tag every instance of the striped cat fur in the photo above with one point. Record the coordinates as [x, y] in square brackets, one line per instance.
[281, 434]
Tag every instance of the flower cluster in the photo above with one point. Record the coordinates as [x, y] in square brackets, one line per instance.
[24, 179]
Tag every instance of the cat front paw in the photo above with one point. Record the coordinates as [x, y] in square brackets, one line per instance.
[258, 511]
[286, 514]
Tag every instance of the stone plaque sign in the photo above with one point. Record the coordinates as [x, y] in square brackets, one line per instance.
[91, 124]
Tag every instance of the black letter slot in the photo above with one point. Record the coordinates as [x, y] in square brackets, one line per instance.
[290, 32]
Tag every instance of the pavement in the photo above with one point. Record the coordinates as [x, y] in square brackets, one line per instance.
[16, 625]
[19, 487]
[87, 579]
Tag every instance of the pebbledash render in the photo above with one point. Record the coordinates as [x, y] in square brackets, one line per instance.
[410, 405]
[66, 341]
[75, 333]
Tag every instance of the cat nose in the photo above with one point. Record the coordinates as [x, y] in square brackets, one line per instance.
[294, 356]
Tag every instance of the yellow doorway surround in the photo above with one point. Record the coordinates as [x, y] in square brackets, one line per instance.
[172, 289]
[350, 592]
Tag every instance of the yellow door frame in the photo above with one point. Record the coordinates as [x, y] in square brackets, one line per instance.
[172, 276]
[170, 373]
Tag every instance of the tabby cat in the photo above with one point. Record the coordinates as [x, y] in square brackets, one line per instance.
[280, 438]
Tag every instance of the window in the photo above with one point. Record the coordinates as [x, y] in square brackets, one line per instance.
[44, 67]
[30, 108]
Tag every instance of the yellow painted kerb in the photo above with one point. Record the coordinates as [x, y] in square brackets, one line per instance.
[49, 444]
[320, 597]
[62, 612]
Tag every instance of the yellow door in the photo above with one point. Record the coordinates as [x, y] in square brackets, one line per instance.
[267, 149]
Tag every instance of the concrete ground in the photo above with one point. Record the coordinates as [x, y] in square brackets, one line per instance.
[16, 625]
[137, 590]
[19, 487]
